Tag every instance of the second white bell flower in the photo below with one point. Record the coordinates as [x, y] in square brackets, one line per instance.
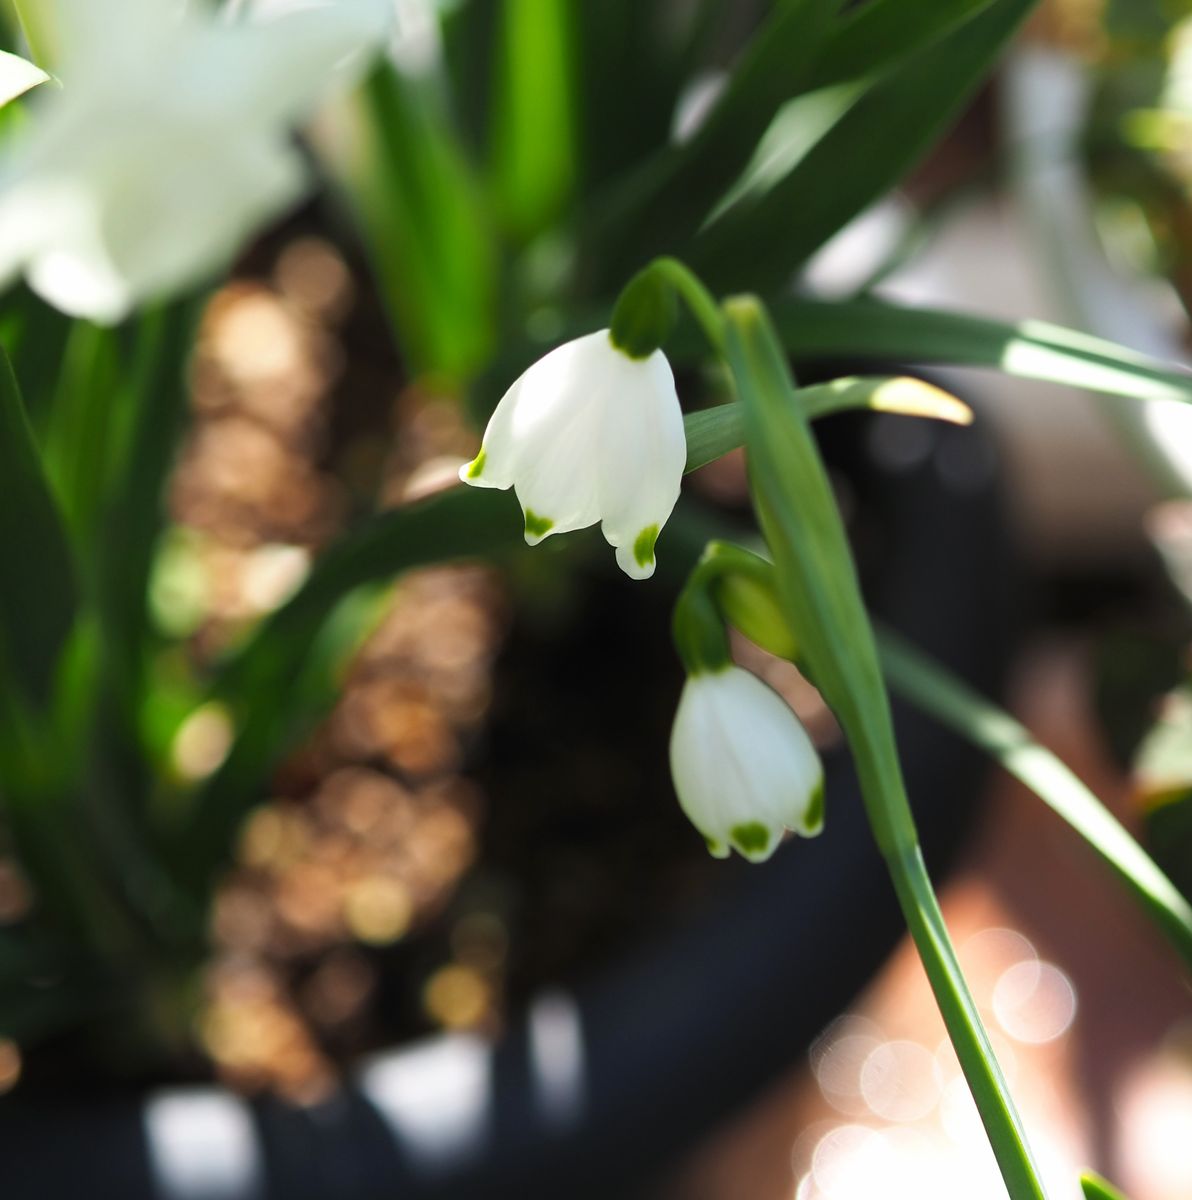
[743, 766]
[590, 434]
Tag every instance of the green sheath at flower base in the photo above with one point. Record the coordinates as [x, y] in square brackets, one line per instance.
[645, 314]
[698, 630]
[647, 309]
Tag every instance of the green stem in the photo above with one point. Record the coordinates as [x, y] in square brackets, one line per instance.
[37, 26]
[965, 1029]
[700, 302]
[821, 599]
[741, 585]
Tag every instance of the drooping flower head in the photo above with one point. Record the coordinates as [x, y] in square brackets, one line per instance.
[590, 433]
[167, 145]
[743, 766]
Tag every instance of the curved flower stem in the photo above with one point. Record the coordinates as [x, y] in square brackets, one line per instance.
[699, 301]
[820, 598]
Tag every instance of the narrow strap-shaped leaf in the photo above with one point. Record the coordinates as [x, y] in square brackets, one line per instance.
[865, 48]
[533, 113]
[955, 705]
[74, 442]
[422, 223]
[712, 432]
[1096, 1188]
[460, 523]
[37, 576]
[661, 207]
[883, 31]
[150, 424]
[759, 242]
[34, 334]
[812, 329]
[652, 58]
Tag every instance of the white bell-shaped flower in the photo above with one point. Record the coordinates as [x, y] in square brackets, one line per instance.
[590, 434]
[743, 766]
[168, 143]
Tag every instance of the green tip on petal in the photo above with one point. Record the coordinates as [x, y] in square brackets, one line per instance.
[716, 849]
[643, 545]
[813, 819]
[474, 469]
[537, 527]
[752, 838]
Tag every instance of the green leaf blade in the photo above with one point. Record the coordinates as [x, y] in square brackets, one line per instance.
[422, 221]
[874, 35]
[662, 207]
[934, 690]
[712, 432]
[760, 241]
[812, 329]
[462, 523]
[534, 118]
[38, 591]
[1096, 1188]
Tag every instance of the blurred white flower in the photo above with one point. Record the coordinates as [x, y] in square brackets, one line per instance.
[743, 766]
[590, 434]
[17, 76]
[168, 144]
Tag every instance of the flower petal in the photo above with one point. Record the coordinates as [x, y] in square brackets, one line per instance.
[643, 450]
[293, 53]
[743, 766]
[17, 76]
[146, 221]
[85, 34]
[62, 250]
[553, 431]
[494, 465]
[186, 219]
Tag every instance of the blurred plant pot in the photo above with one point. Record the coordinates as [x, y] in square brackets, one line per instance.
[598, 1089]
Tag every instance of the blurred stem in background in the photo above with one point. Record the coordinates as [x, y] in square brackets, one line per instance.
[533, 140]
[36, 19]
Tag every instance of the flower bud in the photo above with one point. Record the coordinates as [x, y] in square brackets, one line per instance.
[743, 766]
[743, 588]
[590, 434]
